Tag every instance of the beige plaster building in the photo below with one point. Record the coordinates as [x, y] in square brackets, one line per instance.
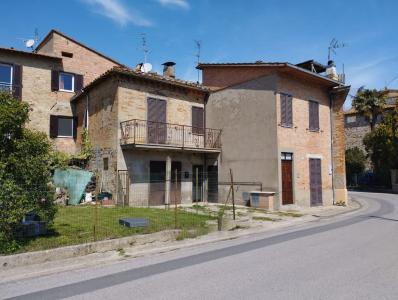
[283, 126]
[149, 136]
[48, 78]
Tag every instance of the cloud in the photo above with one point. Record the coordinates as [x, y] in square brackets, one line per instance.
[117, 12]
[179, 3]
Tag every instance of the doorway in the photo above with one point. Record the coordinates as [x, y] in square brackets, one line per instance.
[287, 178]
[315, 181]
[157, 128]
[197, 183]
[175, 186]
[212, 184]
[157, 180]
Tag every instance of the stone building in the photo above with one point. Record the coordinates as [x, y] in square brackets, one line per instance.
[282, 125]
[149, 136]
[48, 78]
[356, 126]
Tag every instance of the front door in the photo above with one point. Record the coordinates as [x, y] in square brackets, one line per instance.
[315, 182]
[157, 128]
[175, 188]
[157, 182]
[287, 178]
[197, 183]
[212, 184]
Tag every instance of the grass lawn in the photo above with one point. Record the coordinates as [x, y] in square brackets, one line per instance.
[75, 225]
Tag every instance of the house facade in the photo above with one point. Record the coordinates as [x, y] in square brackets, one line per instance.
[149, 136]
[356, 126]
[283, 126]
[48, 78]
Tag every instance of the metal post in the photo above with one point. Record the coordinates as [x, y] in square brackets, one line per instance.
[197, 188]
[233, 193]
[183, 136]
[175, 200]
[134, 124]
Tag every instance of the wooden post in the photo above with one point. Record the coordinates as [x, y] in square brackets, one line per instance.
[175, 200]
[233, 193]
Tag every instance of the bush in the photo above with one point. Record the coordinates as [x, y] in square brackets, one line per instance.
[355, 160]
[25, 171]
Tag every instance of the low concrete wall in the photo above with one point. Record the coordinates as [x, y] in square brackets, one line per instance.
[37, 257]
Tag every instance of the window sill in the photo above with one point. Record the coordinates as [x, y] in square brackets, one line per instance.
[314, 130]
[66, 91]
[286, 126]
[64, 137]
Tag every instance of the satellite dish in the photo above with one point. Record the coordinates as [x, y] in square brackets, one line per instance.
[29, 43]
[147, 67]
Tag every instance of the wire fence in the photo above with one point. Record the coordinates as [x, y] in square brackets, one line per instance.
[187, 204]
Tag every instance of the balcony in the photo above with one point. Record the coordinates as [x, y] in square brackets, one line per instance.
[157, 135]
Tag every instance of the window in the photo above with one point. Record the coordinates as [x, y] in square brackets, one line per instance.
[67, 54]
[5, 76]
[313, 116]
[62, 126]
[197, 120]
[351, 119]
[106, 163]
[286, 110]
[66, 82]
[286, 156]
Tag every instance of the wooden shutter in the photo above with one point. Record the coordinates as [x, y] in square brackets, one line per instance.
[75, 127]
[17, 81]
[197, 120]
[54, 80]
[78, 83]
[53, 126]
[315, 181]
[286, 110]
[157, 129]
[313, 116]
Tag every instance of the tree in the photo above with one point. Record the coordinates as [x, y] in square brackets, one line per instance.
[382, 147]
[370, 104]
[355, 160]
[24, 171]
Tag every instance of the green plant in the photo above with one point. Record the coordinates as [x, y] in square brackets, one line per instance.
[355, 160]
[24, 172]
[60, 160]
[86, 149]
[370, 104]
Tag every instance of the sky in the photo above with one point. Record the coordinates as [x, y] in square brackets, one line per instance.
[228, 30]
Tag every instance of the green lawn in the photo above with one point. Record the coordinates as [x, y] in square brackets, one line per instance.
[75, 225]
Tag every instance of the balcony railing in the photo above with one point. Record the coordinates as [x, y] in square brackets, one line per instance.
[8, 88]
[142, 132]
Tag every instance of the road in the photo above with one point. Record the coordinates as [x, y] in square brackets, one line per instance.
[354, 256]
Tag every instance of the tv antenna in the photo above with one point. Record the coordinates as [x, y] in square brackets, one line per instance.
[29, 43]
[334, 44]
[198, 48]
[144, 46]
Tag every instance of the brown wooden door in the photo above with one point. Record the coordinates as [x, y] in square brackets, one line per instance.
[157, 129]
[157, 182]
[315, 182]
[175, 188]
[197, 183]
[212, 184]
[287, 181]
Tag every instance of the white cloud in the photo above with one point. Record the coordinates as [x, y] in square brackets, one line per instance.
[179, 3]
[117, 12]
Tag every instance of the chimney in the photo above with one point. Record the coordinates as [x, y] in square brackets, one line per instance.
[138, 67]
[168, 69]
[331, 71]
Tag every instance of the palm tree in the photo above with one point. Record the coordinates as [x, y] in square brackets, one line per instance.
[370, 104]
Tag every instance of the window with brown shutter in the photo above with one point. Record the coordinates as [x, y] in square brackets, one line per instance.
[197, 120]
[54, 80]
[17, 82]
[78, 83]
[313, 116]
[286, 110]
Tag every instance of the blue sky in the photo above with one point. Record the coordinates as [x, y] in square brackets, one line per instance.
[229, 30]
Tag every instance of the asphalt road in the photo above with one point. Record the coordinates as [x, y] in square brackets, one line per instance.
[354, 256]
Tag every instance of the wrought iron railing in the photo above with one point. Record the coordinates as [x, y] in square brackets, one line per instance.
[6, 87]
[157, 133]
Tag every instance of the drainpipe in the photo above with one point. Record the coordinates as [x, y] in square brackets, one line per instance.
[331, 144]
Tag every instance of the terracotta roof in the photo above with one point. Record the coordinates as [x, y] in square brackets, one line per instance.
[12, 50]
[75, 41]
[259, 64]
[141, 75]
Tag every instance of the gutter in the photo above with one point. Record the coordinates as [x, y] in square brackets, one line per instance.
[331, 145]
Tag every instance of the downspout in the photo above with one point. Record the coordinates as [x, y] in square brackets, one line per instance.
[331, 145]
[205, 175]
